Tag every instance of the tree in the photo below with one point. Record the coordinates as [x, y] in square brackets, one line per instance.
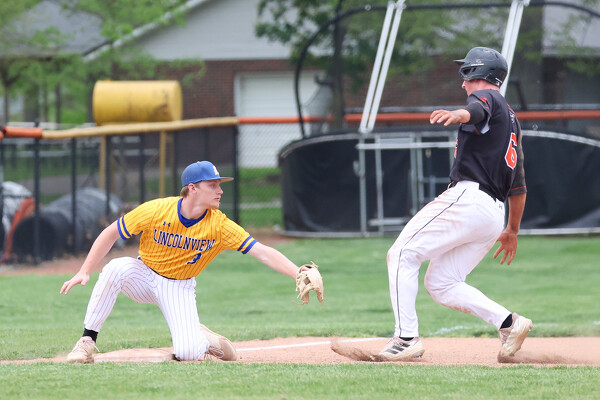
[423, 34]
[566, 40]
[47, 68]
[20, 49]
[348, 49]
[119, 19]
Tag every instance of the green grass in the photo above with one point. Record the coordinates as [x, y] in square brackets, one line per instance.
[259, 174]
[259, 185]
[261, 217]
[18, 167]
[260, 192]
[554, 281]
[269, 381]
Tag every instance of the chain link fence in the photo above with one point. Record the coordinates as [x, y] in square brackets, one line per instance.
[124, 171]
[88, 182]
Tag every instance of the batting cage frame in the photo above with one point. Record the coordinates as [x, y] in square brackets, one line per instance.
[378, 77]
[412, 141]
[515, 14]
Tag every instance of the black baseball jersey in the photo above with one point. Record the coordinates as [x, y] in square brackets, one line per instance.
[490, 151]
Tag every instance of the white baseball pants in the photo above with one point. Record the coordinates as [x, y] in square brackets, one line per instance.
[175, 298]
[455, 231]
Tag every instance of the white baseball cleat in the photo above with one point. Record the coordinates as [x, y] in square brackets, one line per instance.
[513, 337]
[219, 346]
[400, 350]
[83, 352]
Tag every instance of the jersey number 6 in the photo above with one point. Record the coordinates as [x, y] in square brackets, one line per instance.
[511, 152]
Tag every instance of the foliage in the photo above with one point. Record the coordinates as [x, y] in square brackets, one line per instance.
[421, 33]
[567, 41]
[16, 64]
[347, 54]
[32, 73]
[120, 17]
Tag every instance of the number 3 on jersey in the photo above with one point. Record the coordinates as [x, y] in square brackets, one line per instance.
[195, 259]
[511, 152]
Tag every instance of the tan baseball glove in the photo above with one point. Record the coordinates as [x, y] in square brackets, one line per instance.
[307, 280]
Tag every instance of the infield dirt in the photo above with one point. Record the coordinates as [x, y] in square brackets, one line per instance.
[572, 351]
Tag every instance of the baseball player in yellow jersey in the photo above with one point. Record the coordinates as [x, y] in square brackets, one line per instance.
[180, 236]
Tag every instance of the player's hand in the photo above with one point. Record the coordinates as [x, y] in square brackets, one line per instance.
[449, 117]
[508, 243]
[80, 278]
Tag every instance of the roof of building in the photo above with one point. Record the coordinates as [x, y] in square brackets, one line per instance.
[68, 31]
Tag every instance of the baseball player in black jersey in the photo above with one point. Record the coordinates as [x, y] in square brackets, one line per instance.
[457, 229]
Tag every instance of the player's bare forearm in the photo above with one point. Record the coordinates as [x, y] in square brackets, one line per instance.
[102, 245]
[100, 248]
[508, 238]
[274, 259]
[516, 205]
[449, 117]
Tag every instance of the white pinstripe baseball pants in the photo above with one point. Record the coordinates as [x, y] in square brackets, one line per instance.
[455, 231]
[175, 298]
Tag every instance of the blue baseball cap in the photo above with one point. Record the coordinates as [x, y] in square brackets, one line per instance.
[201, 171]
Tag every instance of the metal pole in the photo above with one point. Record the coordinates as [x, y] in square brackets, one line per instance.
[107, 152]
[414, 178]
[510, 37]
[386, 65]
[509, 27]
[74, 193]
[515, 35]
[362, 187]
[162, 155]
[142, 161]
[175, 184]
[420, 183]
[236, 181]
[380, 68]
[379, 183]
[376, 68]
[36, 190]
[2, 183]
[101, 163]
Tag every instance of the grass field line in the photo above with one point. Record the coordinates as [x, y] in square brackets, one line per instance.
[287, 346]
[442, 331]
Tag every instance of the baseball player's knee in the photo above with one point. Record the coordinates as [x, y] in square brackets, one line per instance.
[435, 287]
[440, 290]
[405, 258]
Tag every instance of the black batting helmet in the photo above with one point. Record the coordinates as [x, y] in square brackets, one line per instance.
[483, 63]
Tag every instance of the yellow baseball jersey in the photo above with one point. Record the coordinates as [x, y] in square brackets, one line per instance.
[176, 247]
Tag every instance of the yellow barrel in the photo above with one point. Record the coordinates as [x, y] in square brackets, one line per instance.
[117, 102]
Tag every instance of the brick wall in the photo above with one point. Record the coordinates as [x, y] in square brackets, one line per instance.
[213, 95]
